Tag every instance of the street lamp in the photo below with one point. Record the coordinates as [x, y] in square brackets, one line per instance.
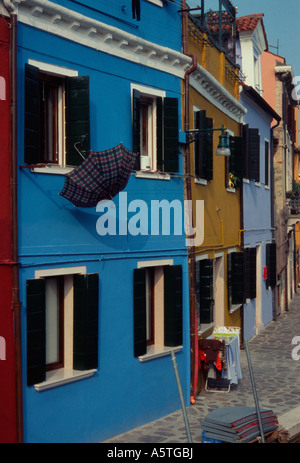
[223, 146]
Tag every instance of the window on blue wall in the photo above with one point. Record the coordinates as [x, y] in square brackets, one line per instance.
[155, 130]
[62, 326]
[57, 119]
[157, 309]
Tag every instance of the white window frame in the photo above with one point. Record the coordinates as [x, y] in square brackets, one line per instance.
[152, 93]
[158, 349]
[66, 374]
[58, 71]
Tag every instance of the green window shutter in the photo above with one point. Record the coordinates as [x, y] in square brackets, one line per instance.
[209, 156]
[86, 310]
[171, 135]
[197, 290]
[200, 118]
[250, 273]
[254, 155]
[271, 265]
[245, 163]
[267, 174]
[31, 135]
[206, 291]
[136, 130]
[173, 305]
[159, 133]
[235, 277]
[36, 332]
[139, 312]
[236, 159]
[204, 147]
[77, 119]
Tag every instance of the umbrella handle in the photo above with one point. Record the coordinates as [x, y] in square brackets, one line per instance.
[78, 149]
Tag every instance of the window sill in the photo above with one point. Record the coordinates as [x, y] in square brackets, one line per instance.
[154, 352]
[60, 377]
[205, 327]
[234, 308]
[201, 181]
[152, 175]
[51, 169]
[156, 2]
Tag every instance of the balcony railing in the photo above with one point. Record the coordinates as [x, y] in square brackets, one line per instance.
[293, 206]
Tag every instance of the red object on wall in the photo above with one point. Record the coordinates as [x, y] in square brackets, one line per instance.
[265, 272]
[8, 426]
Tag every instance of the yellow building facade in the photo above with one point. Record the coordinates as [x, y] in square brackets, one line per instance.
[213, 103]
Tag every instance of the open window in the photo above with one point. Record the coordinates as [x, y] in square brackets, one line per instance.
[56, 117]
[157, 309]
[155, 130]
[62, 326]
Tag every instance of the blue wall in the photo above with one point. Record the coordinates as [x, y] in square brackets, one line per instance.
[124, 393]
[257, 217]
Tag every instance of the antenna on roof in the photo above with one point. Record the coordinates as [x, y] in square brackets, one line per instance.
[277, 48]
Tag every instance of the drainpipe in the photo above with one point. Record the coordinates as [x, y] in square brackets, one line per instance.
[193, 320]
[16, 304]
[273, 210]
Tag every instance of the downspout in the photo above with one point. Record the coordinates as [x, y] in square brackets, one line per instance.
[191, 251]
[16, 304]
[273, 210]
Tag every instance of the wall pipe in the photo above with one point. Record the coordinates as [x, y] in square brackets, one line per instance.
[16, 304]
[193, 318]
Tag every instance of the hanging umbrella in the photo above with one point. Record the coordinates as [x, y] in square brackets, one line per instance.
[101, 176]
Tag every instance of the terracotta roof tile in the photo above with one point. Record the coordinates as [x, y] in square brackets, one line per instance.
[249, 22]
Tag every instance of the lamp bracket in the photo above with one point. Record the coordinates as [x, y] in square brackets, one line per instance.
[195, 134]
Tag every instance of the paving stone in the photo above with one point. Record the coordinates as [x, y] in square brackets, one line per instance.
[276, 377]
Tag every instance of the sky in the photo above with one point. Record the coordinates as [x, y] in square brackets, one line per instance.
[281, 21]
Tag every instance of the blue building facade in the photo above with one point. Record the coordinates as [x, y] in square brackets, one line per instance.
[104, 291]
[257, 207]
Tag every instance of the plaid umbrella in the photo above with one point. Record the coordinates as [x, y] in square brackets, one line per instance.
[101, 176]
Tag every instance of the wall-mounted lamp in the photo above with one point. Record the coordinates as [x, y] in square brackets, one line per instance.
[223, 146]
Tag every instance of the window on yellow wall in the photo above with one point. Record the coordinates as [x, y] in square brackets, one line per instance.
[203, 146]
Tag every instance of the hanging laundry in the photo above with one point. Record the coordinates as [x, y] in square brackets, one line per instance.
[136, 9]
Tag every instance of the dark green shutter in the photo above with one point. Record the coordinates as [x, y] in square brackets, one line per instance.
[245, 136]
[86, 310]
[204, 147]
[266, 163]
[159, 133]
[209, 150]
[200, 118]
[206, 290]
[200, 145]
[250, 273]
[77, 119]
[236, 159]
[254, 155]
[197, 290]
[171, 135]
[31, 135]
[235, 277]
[173, 305]
[139, 312]
[136, 130]
[36, 331]
[271, 265]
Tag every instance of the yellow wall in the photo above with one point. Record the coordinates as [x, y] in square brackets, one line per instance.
[222, 229]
